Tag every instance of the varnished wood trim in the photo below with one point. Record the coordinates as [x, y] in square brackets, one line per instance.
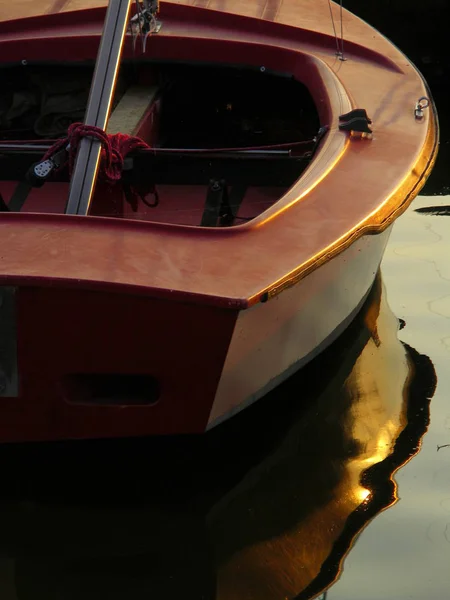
[380, 219]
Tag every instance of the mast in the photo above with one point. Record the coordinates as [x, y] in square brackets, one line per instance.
[99, 104]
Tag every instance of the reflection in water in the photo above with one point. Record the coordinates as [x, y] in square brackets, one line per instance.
[264, 507]
[333, 471]
[439, 211]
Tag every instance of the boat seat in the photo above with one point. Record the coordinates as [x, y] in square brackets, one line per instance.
[131, 110]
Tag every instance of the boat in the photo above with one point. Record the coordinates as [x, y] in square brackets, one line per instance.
[272, 515]
[196, 198]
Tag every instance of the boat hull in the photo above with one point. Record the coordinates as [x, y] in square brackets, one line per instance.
[127, 327]
[206, 362]
[273, 340]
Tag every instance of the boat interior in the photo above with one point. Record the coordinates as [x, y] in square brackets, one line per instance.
[225, 142]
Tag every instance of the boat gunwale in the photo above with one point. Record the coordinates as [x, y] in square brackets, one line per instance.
[203, 18]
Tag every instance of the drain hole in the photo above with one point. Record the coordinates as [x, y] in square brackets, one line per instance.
[112, 389]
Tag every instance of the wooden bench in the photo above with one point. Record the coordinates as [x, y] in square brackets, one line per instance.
[132, 110]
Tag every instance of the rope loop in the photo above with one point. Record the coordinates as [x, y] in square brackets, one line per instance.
[115, 148]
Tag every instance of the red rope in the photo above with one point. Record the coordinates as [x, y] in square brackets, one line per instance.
[115, 148]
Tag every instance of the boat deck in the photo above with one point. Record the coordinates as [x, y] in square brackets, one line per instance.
[316, 219]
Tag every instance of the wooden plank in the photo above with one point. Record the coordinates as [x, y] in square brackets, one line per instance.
[131, 109]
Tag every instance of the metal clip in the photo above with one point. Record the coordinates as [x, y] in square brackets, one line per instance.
[144, 23]
[421, 104]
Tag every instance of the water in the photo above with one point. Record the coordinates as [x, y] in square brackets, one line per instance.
[404, 553]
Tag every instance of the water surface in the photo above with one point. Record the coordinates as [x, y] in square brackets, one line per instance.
[404, 553]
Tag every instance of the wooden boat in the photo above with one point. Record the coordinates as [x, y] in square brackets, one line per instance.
[272, 515]
[159, 281]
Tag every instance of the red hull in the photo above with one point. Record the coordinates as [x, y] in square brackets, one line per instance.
[64, 333]
[207, 362]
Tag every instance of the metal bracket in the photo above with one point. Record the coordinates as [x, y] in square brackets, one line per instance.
[421, 105]
[217, 210]
[41, 171]
[144, 23]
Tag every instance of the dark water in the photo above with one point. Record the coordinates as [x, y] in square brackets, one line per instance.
[333, 482]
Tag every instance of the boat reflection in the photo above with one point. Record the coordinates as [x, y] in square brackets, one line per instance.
[266, 506]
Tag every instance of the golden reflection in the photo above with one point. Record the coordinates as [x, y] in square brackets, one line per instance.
[352, 428]
[264, 507]
[362, 494]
